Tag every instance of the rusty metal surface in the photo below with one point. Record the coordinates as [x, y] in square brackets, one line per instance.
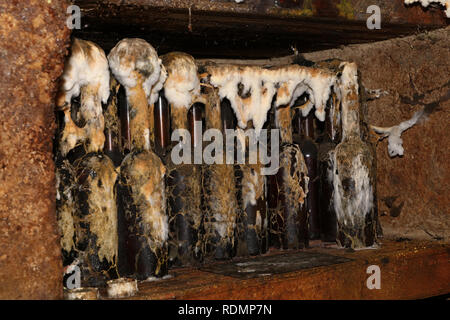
[409, 270]
[251, 29]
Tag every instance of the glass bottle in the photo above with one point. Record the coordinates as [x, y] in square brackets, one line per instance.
[184, 191]
[289, 224]
[220, 185]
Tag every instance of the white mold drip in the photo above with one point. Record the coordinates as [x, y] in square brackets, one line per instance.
[352, 210]
[132, 58]
[250, 89]
[426, 3]
[348, 85]
[395, 142]
[182, 82]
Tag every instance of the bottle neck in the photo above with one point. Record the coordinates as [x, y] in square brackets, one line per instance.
[161, 118]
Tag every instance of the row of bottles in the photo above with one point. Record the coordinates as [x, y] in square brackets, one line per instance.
[127, 210]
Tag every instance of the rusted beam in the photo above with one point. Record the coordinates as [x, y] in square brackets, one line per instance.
[251, 29]
[409, 270]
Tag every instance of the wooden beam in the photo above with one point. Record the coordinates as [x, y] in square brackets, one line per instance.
[409, 270]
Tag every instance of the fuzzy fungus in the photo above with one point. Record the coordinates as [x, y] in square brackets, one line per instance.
[353, 171]
[87, 74]
[251, 89]
[135, 64]
[121, 288]
[143, 223]
[395, 142]
[182, 85]
[219, 188]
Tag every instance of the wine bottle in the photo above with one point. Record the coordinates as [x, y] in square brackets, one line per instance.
[219, 187]
[327, 145]
[90, 198]
[304, 137]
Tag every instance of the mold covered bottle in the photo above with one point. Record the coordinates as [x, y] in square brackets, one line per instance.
[220, 187]
[184, 183]
[329, 139]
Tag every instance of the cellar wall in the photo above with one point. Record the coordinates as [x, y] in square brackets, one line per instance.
[33, 42]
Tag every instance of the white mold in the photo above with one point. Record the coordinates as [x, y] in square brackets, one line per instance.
[122, 288]
[426, 3]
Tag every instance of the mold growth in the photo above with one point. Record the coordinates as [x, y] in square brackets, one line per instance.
[181, 87]
[184, 188]
[283, 121]
[142, 213]
[86, 74]
[221, 207]
[251, 89]
[96, 181]
[122, 288]
[253, 233]
[353, 172]
[135, 64]
[65, 205]
[219, 190]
